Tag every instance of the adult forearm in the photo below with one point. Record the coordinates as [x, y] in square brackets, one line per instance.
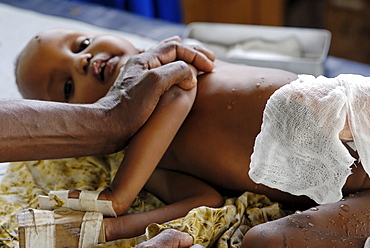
[39, 130]
[33, 130]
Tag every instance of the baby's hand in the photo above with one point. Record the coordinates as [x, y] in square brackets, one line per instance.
[119, 207]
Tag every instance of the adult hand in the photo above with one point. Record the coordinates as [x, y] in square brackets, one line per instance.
[42, 130]
[172, 49]
[168, 51]
[146, 76]
[170, 238]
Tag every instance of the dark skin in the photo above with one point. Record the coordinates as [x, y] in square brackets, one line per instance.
[204, 138]
[44, 130]
[170, 238]
[341, 225]
[212, 146]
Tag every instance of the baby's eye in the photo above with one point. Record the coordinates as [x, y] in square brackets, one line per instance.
[85, 43]
[68, 89]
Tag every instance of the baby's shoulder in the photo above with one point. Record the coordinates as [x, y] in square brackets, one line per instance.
[244, 75]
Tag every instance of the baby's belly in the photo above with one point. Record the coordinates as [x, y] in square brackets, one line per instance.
[220, 170]
[215, 159]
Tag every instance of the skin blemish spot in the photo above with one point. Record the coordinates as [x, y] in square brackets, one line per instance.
[230, 104]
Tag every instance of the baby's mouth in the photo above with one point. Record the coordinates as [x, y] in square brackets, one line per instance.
[103, 67]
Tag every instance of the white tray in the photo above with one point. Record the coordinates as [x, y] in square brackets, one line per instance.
[313, 45]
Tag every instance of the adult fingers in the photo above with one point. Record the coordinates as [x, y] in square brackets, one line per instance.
[185, 240]
[172, 49]
[210, 55]
[169, 238]
[166, 52]
[173, 38]
[173, 73]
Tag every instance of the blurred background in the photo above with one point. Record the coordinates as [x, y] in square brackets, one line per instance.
[347, 20]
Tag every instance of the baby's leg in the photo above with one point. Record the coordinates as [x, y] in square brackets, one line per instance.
[342, 224]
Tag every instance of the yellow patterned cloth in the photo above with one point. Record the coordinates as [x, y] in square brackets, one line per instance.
[215, 227]
[24, 181]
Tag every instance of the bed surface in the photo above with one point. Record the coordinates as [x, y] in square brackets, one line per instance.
[20, 20]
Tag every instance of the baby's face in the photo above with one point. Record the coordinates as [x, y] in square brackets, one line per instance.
[71, 66]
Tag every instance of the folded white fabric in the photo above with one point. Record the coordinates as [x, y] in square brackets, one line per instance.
[367, 243]
[298, 149]
[87, 201]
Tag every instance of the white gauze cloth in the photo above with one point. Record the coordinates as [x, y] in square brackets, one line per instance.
[298, 149]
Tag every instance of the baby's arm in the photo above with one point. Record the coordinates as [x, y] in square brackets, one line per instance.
[148, 146]
[180, 191]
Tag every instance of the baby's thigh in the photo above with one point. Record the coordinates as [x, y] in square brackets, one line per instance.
[342, 224]
[282, 234]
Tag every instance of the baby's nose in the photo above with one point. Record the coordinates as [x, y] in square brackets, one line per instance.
[82, 62]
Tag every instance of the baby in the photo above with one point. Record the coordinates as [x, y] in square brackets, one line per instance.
[196, 145]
